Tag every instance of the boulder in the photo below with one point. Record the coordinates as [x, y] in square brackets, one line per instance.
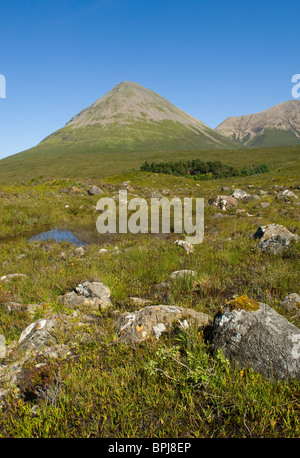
[291, 303]
[37, 335]
[239, 194]
[274, 238]
[88, 294]
[253, 335]
[94, 190]
[188, 247]
[152, 321]
[224, 202]
[286, 194]
[97, 291]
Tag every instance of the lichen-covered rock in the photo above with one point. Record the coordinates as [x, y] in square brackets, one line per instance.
[274, 238]
[252, 334]
[152, 321]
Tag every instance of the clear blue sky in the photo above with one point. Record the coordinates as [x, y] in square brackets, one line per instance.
[213, 59]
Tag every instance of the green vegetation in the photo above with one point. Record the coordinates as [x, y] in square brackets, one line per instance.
[201, 170]
[59, 160]
[173, 387]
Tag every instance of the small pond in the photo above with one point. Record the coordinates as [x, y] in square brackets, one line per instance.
[57, 235]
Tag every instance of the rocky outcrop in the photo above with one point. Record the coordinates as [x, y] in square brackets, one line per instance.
[253, 335]
[153, 321]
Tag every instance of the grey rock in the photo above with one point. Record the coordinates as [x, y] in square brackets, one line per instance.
[153, 321]
[95, 190]
[161, 291]
[38, 335]
[2, 347]
[239, 194]
[286, 194]
[224, 202]
[188, 247]
[274, 238]
[185, 273]
[260, 339]
[291, 302]
[9, 277]
[97, 291]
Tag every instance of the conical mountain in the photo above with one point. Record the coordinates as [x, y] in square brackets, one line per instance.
[133, 118]
[119, 131]
[276, 126]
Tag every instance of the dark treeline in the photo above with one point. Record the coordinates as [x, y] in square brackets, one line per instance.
[200, 170]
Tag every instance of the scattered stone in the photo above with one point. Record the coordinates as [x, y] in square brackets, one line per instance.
[97, 291]
[2, 347]
[182, 274]
[264, 204]
[103, 251]
[153, 321]
[252, 334]
[286, 194]
[225, 188]
[161, 291]
[38, 335]
[74, 300]
[95, 190]
[291, 303]
[9, 277]
[80, 251]
[274, 238]
[139, 302]
[239, 194]
[262, 193]
[217, 216]
[224, 202]
[188, 247]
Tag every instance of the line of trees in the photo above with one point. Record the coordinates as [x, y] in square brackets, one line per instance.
[200, 170]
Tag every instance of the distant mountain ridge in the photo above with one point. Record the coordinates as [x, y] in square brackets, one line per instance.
[276, 126]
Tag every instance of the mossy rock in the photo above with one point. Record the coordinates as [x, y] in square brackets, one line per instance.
[243, 303]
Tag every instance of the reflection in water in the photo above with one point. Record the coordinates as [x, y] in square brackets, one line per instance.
[57, 235]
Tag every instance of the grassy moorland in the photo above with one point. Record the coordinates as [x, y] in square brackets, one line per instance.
[112, 390]
[54, 160]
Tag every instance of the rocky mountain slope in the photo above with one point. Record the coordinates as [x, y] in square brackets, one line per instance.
[276, 126]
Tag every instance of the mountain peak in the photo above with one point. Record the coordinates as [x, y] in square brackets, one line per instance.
[276, 126]
[128, 102]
